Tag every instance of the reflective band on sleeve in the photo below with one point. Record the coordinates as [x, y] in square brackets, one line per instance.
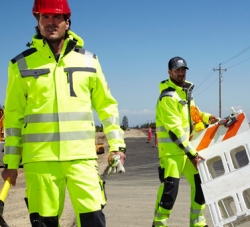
[109, 121]
[114, 135]
[56, 117]
[161, 129]
[180, 140]
[59, 136]
[13, 132]
[164, 140]
[12, 150]
[187, 149]
[186, 129]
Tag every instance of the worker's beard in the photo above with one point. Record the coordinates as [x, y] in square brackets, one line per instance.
[178, 82]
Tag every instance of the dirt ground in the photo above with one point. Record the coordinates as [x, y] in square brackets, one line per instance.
[15, 211]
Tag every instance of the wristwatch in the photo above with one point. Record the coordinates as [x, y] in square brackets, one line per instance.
[122, 149]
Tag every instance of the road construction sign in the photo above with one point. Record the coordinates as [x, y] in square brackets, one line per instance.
[225, 173]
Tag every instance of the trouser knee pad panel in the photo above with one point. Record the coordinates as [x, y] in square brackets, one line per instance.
[93, 219]
[199, 196]
[39, 221]
[161, 174]
[170, 192]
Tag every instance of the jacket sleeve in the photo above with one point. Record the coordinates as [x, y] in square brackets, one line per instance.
[176, 122]
[14, 114]
[107, 109]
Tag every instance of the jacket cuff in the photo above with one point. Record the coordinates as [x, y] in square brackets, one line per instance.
[205, 117]
[11, 163]
[120, 149]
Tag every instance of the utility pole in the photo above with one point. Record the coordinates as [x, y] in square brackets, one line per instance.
[220, 80]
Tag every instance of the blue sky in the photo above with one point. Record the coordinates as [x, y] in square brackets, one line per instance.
[134, 40]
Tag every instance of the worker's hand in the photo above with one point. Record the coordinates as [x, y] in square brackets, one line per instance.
[115, 162]
[196, 160]
[11, 173]
[122, 156]
[213, 119]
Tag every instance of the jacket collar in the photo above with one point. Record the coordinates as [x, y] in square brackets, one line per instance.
[70, 43]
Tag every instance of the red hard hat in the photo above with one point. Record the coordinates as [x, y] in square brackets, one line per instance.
[51, 6]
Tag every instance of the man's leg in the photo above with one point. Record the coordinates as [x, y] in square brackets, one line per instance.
[45, 193]
[86, 192]
[197, 218]
[169, 174]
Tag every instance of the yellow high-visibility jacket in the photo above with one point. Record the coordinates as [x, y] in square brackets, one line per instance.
[49, 103]
[173, 120]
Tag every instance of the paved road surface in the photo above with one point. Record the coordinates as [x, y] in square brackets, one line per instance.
[131, 196]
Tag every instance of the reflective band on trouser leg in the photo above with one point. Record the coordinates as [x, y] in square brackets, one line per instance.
[161, 215]
[169, 174]
[197, 217]
[86, 193]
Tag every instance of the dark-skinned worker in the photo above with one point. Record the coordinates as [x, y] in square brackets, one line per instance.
[176, 155]
[52, 88]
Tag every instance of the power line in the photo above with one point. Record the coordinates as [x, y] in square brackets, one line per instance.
[206, 88]
[220, 79]
[202, 82]
[238, 63]
[236, 55]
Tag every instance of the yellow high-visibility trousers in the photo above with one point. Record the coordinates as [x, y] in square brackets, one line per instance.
[46, 184]
[170, 171]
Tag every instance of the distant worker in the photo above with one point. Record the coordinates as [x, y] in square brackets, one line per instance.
[177, 156]
[52, 88]
[149, 134]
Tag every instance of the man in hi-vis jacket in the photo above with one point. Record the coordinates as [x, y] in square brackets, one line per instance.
[174, 125]
[52, 88]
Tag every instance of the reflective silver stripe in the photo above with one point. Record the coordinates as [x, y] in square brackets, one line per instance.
[180, 140]
[59, 136]
[161, 223]
[21, 62]
[13, 132]
[161, 129]
[109, 121]
[56, 117]
[34, 72]
[186, 129]
[196, 211]
[12, 150]
[115, 135]
[165, 140]
[89, 58]
[197, 220]
[157, 214]
[187, 149]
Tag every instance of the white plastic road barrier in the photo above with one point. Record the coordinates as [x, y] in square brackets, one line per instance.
[225, 174]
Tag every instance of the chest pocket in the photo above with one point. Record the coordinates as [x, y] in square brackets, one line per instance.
[78, 76]
[34, 72]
